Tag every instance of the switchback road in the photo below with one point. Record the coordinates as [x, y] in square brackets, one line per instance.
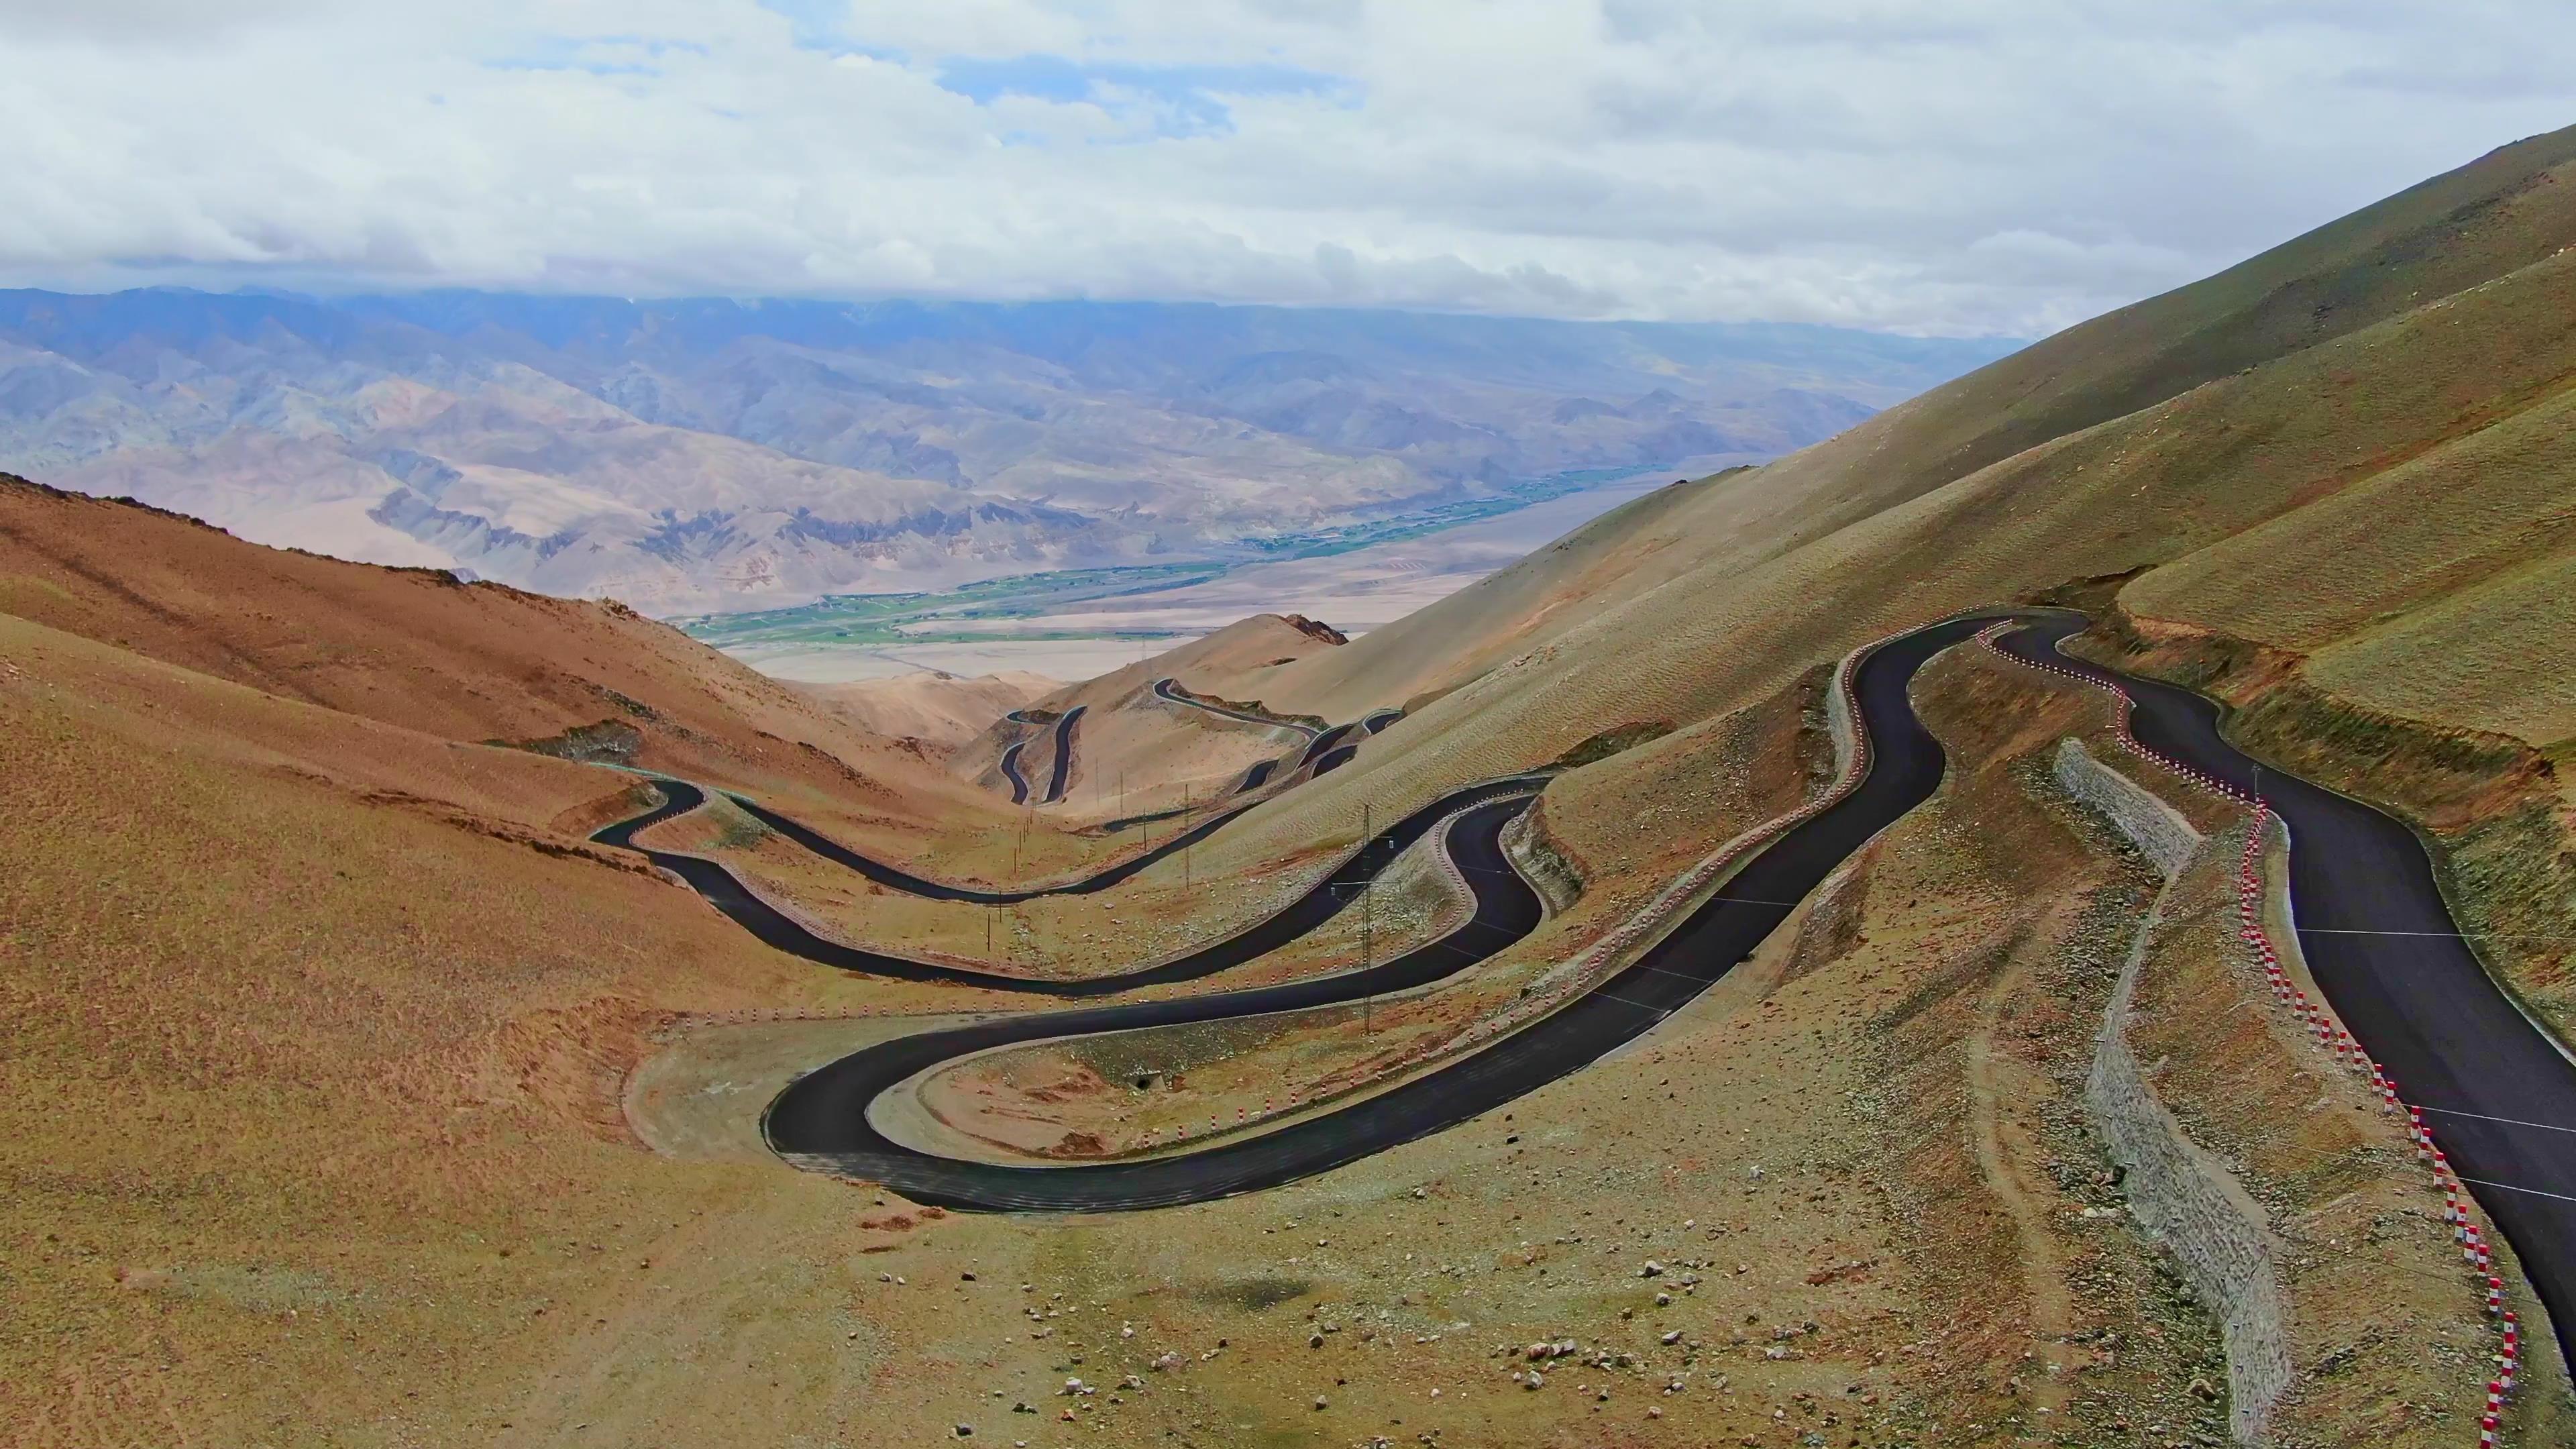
[1327, 899]
[1170, 689]
[2370, 917]
[821, 1122]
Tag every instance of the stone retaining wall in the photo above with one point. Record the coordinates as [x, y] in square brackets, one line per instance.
[2178, 1193]
[2157, 829]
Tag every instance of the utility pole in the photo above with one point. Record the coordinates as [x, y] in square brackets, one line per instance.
[1185, 838]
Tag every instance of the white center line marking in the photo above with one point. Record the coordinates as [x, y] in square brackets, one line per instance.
[2483, 1117]
[2444, 935]
[2509, 1187]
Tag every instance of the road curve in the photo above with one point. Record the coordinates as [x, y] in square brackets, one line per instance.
[1063, 754]
[1151, 817]
[1168, 689]
[1011, 754]
[1328, 898]
[2380, 941]
[820, 1121]
[896, 878]
[1323, 744]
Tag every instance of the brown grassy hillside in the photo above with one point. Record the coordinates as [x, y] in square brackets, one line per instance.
[311, 1030]
[415, 647]
[1134, 753]
[2505, 212]
[941, 710]
[2370, 495]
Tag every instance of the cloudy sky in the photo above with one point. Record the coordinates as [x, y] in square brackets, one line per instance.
[1970, 166]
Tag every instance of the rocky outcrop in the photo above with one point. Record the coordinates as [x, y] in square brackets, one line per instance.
[1605, 743]
[607, 742]
[1548, 870]
[1315, 629]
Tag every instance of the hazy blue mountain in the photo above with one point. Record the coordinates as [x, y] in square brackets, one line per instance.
[707, 454]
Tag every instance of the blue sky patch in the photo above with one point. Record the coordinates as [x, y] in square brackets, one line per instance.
[1177, 100]
[817, 25]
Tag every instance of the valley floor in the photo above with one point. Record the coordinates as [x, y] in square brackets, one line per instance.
[1356, 591]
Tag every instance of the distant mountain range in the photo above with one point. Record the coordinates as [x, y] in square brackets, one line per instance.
[708, 455]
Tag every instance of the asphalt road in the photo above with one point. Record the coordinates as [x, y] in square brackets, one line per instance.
[820, 1121]
[897, 878]
[1011, 772]
[2371, 922]
[1318, 905]
[1063, 754]
[1169, 689]
[1254, 778]
[1152, 817]
[2377, 936]
[1323, 744]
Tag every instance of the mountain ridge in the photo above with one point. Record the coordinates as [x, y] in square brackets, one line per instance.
[706, 455]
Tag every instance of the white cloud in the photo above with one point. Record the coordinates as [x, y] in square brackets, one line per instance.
[1982, 165]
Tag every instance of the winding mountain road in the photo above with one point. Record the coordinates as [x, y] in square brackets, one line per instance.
[1169, 690]
[2371, 922]
[820, 1121]
[2383, 948]
[727, 893]
[1253, 779]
